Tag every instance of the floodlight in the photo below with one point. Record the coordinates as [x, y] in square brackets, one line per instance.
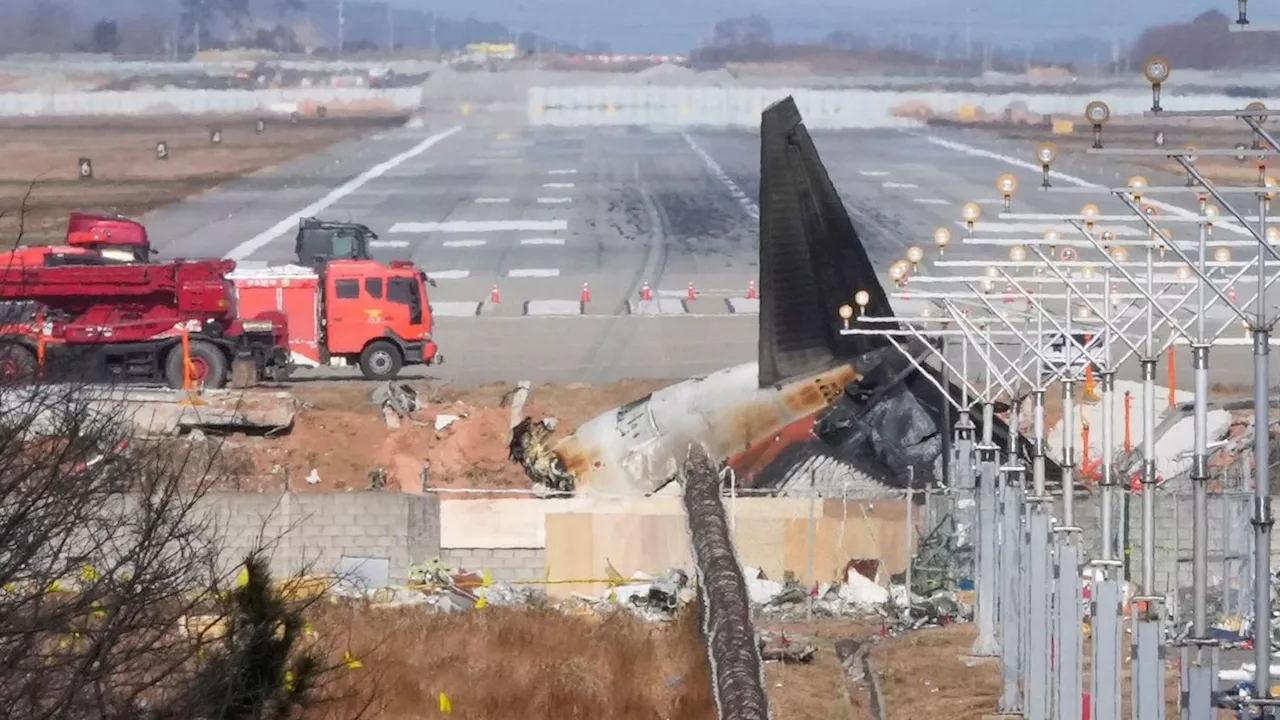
[1183, 272]
[1138, 185]
[971, 211]
[942, 238]
[862, 298]
[1156, 70]
[1017, 253]
[1097, 113]
[1007, 184]
[1222, 254]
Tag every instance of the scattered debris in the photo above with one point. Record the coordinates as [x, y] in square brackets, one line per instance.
[443, 421]
[313, 478]
[399, 397]
[781, 648]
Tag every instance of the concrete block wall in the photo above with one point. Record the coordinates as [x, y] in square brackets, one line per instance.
[505, 564]
[195, 102]
[315, 531]
[740, 107]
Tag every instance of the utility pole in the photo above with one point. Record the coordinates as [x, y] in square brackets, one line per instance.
[342, 21]
[391, 32]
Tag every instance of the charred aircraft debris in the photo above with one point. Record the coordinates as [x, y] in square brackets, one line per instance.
[818, 409]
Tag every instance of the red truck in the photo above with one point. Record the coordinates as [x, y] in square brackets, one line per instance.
[88, 318]
[343, 307]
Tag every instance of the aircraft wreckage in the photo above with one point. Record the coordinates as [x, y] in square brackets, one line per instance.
[817, 407]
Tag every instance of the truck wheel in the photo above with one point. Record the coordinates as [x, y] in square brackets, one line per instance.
[380, 361]
[209, 365]
[17, 364]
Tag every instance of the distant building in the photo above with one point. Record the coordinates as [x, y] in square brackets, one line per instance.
[479, 52]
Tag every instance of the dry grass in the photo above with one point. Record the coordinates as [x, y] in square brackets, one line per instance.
[128, 179]
[506, 663]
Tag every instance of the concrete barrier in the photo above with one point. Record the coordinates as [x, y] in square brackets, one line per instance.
[202, 102]
[740, 107]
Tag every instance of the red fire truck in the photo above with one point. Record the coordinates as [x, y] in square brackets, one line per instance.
[82, 317]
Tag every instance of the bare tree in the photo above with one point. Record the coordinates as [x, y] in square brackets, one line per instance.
[114, 600]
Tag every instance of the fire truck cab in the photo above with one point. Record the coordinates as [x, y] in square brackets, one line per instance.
[347, 312]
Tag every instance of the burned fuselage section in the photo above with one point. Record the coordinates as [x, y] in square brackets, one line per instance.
[818, 407]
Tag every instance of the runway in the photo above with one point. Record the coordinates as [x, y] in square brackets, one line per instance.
[550, 217]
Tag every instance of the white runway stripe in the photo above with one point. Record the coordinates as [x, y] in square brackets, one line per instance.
[463, 226]
[533, 273]
[553, 200]
[872, 173]
[492, 201]
[1031, 229]
[900, 186]
[931, 201]
[388, 244]
[557, 185]
[752, 210]
[449, 274]
[542, 241]
[562, 172]
[464, 243]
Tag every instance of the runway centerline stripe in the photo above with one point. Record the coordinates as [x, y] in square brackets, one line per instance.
[542, 241]
[253, 244]
[492, 200]
[464, 243]
[562, 172]
[449, 274]
[553, 200]
[533, 273]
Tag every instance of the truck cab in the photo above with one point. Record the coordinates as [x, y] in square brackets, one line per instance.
[376, 316]
[319, 241]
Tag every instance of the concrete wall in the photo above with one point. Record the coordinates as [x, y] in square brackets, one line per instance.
[195, 102]
[740, 107]
[505, 564]
[318, 530]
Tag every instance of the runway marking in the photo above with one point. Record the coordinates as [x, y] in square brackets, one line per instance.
[736, 191]
[533, 273]
[1079, 182]
[900, 186]
[872, 173]
[449, 274]
[553, 308]
[464, 226]
[542, 241]
[553, 200]
[290, 224]
[562, 172]
[931, 201]
[659, 306]
[456, 308]
[743, 306]
[464, 243]
[492, 201]
[388, 244]
[557, 185]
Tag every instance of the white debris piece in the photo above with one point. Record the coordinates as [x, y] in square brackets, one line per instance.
[760, 590]
[314, 477]
[858, 590]
[444, 421]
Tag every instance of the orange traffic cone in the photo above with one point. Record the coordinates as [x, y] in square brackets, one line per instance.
[693, 294]
[751, 290]
[645, 292]
[494, 295]
[586, 294]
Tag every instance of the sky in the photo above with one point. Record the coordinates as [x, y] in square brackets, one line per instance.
[666, 26]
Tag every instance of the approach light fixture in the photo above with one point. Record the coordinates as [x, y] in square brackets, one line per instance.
[1098, 113]
[1007, 184]
[1083, 312]
[1137, 185]
[942, 238]
[1272, 185]
[1052, 238]
[1046, 153]
[1183, 272]
[970, 212]
[846, 312]
[862, 298]
[1222, 254]
[915, 254]
[898, 272]
[1157, 71]
[1242, 12]
[1272, 234]
[1120, 254]
[1017, 253]
[1211, 213]
[1090, 213]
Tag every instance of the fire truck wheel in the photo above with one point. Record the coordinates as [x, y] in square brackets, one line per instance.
[380, 360]
[209, 366]
[17, 364]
